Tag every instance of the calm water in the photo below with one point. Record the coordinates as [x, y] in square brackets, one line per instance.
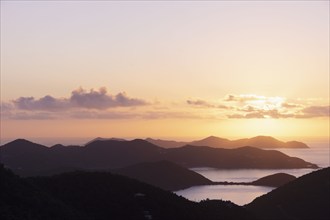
[240, 195]
[318, 153]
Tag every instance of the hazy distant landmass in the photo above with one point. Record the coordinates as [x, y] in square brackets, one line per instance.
[307, 197]
[212, 141]
[27, 158]
[104, 139]
[167, 143]
[243, 157]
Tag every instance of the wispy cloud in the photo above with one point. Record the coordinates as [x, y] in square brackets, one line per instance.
[94, 114]
[99, 104]
[263, 114]
[247, 106]
[33, 116]
[290, 105]
[316, 111]
[200, 103]
[248, 97]
[203, 103]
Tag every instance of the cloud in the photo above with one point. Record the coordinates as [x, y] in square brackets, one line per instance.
[255, 100]
[255, 106]
[255, 115]
[247, 108]
[316, 111]
[92, 104]
[173, 115]
[290, 105]
[47, 103]
[80, 98]
[200, 103]
[101, 100]
[262, 114]
[203, 103]
[309, 112]
[99, 104]
[87, 114]
[6, 106]
[33, 116]
[243, 98]
[6, 110]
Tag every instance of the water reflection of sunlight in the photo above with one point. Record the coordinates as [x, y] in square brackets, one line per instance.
[238, 194]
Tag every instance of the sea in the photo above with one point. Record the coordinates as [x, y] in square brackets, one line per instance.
[318, 153]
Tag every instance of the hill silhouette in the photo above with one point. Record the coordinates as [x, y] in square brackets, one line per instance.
[104, 139]
[274, 180]
[23, 199]
[213, 141]
[165, 175]
[307, 197]
[27, 158]
[166, 143]
[244, 157]
[100, 196]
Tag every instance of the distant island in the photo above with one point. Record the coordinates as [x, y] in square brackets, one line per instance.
[217, 142]
[28, 158]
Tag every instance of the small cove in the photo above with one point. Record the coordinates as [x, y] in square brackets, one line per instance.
[243, 194]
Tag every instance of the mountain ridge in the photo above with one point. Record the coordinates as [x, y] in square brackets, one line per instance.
[266, 142]
[112, 154]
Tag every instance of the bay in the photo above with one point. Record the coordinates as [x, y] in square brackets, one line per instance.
[319, 154]
[239, 194]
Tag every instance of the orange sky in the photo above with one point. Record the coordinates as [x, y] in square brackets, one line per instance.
[164, 69]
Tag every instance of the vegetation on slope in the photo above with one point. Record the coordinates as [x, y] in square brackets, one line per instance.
[305, 198]
[101, 196]
[165, 175]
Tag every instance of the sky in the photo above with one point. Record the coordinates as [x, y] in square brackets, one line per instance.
[164, 69]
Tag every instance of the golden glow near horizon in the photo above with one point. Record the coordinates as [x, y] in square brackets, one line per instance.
[164, 69]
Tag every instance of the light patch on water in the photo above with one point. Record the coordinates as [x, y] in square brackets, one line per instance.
[238, 194]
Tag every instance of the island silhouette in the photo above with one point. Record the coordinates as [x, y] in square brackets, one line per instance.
[27, 158]
[213, 141]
